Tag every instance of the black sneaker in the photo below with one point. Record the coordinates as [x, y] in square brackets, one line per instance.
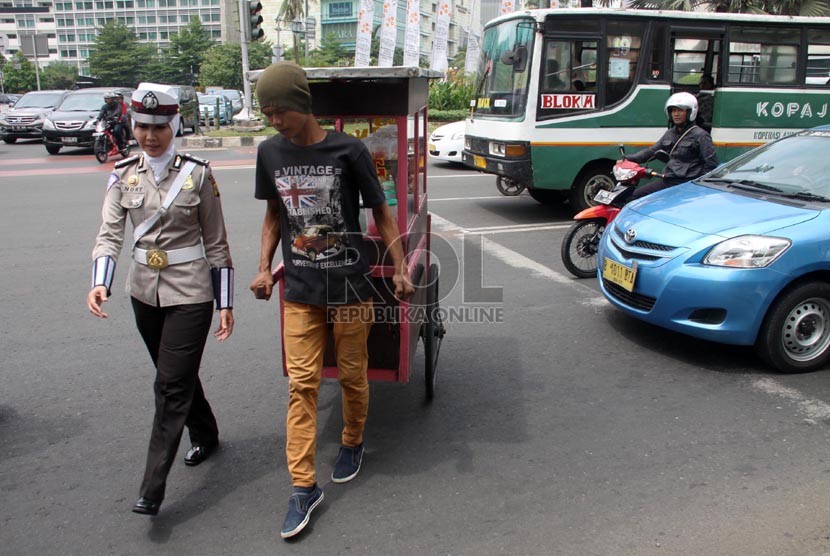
[300, 505]
[348, 463]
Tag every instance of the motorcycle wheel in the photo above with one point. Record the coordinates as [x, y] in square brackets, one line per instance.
[579, 247]
[125, 152]
[508, 187]
[101, 149]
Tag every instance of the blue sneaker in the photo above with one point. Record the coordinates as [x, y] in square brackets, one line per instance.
[300, 505]
[348, 463]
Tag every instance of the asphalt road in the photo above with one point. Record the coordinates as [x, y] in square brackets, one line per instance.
[566, 429]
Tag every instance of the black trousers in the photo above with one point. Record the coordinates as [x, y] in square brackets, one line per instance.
[175, 337]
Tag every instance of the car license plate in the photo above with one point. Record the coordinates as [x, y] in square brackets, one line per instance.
[619, 274]
[69, 139]
[479, 161]
[431, 147]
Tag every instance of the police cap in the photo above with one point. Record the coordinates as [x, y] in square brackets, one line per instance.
[153, 107]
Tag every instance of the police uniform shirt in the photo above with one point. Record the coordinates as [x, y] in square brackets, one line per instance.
[195, 216]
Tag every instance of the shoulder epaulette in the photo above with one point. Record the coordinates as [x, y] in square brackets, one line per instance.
[127, 161]
[196, 159]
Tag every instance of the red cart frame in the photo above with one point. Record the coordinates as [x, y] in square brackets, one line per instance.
[395, 97]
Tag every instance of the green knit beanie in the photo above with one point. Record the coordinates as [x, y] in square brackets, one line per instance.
[284, 85]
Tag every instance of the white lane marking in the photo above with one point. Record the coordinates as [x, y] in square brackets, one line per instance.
[434, 200]
[238, 167]
[815, 410]
[470, 175]
[526, 229]
[517, 260]
[511, 226]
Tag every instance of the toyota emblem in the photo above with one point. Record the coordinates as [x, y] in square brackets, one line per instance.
[630, 235]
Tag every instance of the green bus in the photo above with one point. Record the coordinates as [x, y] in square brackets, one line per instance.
[558, 90]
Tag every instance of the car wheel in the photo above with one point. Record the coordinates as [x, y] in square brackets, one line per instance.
[53, 149]
[795, 335]
[594, 177]
[10, 140]
[509, 187]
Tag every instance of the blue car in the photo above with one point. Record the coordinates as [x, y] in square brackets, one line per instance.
[740, 256]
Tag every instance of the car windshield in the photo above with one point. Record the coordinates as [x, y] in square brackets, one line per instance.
[38, 100]
[233, 95]
[82, 102]
[210, 99]
[794, 166]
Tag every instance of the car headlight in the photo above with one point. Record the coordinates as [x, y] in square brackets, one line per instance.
[458, 135]
[624, 174]
[48, 124]
[747, 251]
[90, 124]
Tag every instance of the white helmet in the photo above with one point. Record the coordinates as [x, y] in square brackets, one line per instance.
[686, 101]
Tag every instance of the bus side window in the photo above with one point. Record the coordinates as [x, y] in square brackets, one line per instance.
[818, 57]
[624, 44]
[763, 55]
[657, 59]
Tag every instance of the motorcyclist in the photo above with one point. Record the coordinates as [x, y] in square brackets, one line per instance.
[113, 111]
[690, 149]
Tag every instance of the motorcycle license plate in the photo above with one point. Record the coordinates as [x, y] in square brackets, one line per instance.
[604, 196]
[616, 273]
[69, 139]
[479, 161]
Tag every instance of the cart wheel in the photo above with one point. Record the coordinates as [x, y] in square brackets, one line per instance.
[433, 332]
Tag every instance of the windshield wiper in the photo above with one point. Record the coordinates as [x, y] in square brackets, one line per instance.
[807, 196]
[748, 185]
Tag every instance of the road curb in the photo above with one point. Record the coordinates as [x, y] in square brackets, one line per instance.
[201, 141]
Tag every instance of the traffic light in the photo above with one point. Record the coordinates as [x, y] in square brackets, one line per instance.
[255, 20]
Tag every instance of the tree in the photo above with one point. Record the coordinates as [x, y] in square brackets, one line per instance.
[223, 63]
[187, 51]
[289, 11]
[772, 7]
[118, 58]
[330, 53]
[19, 74]
[58, 75]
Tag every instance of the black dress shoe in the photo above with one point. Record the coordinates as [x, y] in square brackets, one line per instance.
[146, 506]
[199, 453]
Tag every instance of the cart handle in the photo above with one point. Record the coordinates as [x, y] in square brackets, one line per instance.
[278, 273]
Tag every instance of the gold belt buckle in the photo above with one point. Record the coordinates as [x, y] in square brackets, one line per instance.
[157, 259]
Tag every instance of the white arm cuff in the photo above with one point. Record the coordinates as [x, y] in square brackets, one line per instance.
[103, 271]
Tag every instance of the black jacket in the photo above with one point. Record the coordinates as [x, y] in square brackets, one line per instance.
[690, 159]
[111, 111]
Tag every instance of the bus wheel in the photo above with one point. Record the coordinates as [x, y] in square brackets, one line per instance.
[593, 178]
[547, 196]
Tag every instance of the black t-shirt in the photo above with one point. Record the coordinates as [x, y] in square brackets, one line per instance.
[320, 188]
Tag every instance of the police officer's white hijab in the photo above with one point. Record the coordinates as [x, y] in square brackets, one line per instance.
[160, 162]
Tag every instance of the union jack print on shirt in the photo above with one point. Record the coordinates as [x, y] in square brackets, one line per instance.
[297, 191]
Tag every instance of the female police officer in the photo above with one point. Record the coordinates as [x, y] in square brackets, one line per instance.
[181, 263]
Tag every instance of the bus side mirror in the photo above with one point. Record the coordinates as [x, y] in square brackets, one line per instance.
[516, 58]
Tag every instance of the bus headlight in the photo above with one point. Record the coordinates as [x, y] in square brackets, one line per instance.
[468, 143]
[497, 149]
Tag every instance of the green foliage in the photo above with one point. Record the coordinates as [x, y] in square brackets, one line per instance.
[453, 94]
[223, 63]
[447, 115]
[772, 7]
[21, 79]
[330, 53]
[58, 75]
[186, 52]
[118, 58]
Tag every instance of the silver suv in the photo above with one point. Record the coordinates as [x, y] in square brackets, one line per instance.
[25, 119]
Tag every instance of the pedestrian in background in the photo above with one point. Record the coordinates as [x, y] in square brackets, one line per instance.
[181, 264]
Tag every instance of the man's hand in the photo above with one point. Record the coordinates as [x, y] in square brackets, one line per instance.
[403, 287]
[263, 285]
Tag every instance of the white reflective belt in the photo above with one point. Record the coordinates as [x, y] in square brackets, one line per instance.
[175, 188]
[174, 256]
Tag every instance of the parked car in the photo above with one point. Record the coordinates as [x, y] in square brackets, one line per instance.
[447, 142]
[207, 109]
[235, 97]
[73, 122]
[188, 103]
[739, 256]
[25, 119]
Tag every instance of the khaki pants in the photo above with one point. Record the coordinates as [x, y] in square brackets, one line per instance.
[305, 331]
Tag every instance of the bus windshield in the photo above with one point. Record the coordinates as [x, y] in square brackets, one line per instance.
[504, 69]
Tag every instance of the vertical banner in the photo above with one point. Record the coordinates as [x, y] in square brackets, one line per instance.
[507, 7]
[388, 33]
[412, 39]
[439, 39]
[473, 52]
[363, 40]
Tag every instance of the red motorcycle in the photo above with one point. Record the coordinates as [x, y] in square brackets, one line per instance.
[105, 144]
[579, 247]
